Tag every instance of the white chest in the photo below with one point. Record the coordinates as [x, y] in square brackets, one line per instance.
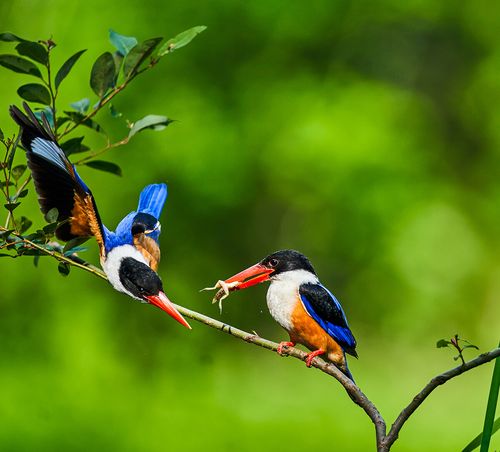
[283, 295]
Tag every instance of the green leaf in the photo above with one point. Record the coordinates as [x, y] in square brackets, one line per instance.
[10, 37]
[63, 268]
[81, 106]
[34, 92]
[73, 244]
[489, 424]
[79, 118]
[23, 193]
[442, 343]
[181, 40]
[102, 76]
[155, 122]
[18, 64]
[52, 215]
[49, 229]
[37, 52]
[2, 136]
[66, 67]
[118, 59]
[23, 224]
[18, 171]
[102, 165]
[35, 260]
[74, 146]
[122, 43]
[114, 112]
[138, 54]
[10, 206]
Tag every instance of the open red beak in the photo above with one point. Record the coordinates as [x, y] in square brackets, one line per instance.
[251, 276]
[166, 305]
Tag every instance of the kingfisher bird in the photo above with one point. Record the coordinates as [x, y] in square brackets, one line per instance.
[305, 308]
[130, 255]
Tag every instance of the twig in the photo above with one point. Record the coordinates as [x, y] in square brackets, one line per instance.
[384, 440]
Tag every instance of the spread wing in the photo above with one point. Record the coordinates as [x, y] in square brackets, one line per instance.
[56, 181]
[323, 307]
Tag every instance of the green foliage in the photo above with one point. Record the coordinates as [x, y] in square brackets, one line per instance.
[102, 76]
[108, 167]
[457, 343]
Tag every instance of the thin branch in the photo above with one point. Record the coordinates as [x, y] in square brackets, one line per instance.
[433, 384]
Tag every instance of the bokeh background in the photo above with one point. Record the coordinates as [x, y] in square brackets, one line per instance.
[364, 134]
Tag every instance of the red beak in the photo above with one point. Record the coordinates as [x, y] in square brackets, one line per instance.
[251, 276]
[166, 305]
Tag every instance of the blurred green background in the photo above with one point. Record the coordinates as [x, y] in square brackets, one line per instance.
[364, 134]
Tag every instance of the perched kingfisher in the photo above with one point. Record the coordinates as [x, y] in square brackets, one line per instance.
[130, 255]
[302, 306]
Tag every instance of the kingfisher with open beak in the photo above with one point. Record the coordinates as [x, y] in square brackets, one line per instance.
[130, 255]
[305, 308]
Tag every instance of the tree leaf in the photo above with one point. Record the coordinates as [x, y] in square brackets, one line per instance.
[35, 260]
[79, 118]
[10, 37]
[102, 76]
[10, 206]
[18, 171]
[2, 136]
[102, 165]
[122, 43]
[74, 146]
[23, 224]
[138, 54]
[33, 50]
[63, 268]
[442, 343]
[181, 40]
[34, 92]
[18, 64]
[81, 106]
[22, 194]
[49, 229]
[6, 255]
[155, 122]
[66, 67]
[74, 243]
[52, 215]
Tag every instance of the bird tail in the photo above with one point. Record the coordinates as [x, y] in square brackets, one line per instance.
[152, 199]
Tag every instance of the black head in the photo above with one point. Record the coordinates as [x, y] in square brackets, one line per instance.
[287, 260]
[144, 223]
[139, 279]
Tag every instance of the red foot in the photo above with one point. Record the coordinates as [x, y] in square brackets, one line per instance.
[283, 345]
[312, 355]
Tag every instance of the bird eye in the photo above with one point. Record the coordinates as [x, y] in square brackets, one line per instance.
[273, 262]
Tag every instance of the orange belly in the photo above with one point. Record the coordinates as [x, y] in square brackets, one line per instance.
[308, 332]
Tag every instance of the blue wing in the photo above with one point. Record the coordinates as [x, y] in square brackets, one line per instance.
[323, 307]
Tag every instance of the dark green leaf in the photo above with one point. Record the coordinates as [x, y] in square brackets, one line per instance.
[11, 206]
[442, 343]
[102, 76]
[5, 234]
[10, 37]
[118, 59]
[155, 122]
[66, 67]
[78, 118]
[34, 92]
[52, 215]
[18, 171]
[1, 135]
[38, 236]
[122, 43]
[470, 346]
[23, 224]
[18, 64]
[138, 54]
[33, 50]
[63, 268]
[35, 260]
[74, 146]
[47, 112]
[73, 244]
[23, 193]
[49, 229]
[105, 166]
[181, 40]
[114, 112]
[81, 106]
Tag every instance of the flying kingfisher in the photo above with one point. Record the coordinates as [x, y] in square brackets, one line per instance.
[130, 255]
[305, 308]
